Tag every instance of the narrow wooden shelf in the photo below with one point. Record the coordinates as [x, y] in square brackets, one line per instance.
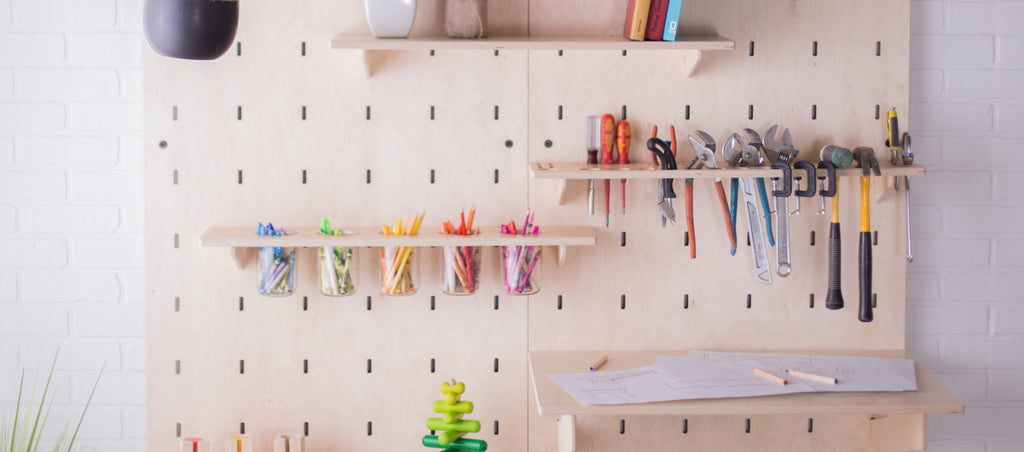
[571, 171]
[930, 398]
[531, 43]
[242, 241]
[688, 48]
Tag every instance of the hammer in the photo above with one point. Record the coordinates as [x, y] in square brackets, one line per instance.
[869, 163]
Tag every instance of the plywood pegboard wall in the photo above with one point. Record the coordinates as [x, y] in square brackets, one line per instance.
[285, 129]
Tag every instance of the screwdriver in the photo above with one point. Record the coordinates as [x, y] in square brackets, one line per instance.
[623, 136]
[607, 145]
[593, 138]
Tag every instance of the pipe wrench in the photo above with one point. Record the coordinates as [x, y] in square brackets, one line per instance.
[739, 153]
[781, 190]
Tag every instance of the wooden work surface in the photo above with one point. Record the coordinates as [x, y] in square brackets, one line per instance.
[930, 397]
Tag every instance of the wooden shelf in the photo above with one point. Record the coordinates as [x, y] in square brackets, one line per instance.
[930, 398]
[531, 43]
[243, 240]
[571, 171]
[689, 48]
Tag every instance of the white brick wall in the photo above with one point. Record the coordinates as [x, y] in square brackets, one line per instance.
[71, 154]
[71, 210]
[966, 303]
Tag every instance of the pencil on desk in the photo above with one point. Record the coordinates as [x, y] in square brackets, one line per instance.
[813, 377]
[769, 376]
[600, 362]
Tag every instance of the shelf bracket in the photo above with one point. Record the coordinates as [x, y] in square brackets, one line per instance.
[563, 251]
[689, 60]
[242, 255]
[902, 432]
[563, 188]
[567, 433]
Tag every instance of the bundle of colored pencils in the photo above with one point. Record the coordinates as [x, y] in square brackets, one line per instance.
[335, 265]
[520, 261]
[461, 263]
[396, 262]
[277, 268]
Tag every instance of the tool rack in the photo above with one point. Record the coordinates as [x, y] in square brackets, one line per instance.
[308, 118]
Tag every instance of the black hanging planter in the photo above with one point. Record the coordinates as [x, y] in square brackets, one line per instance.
[191, 29]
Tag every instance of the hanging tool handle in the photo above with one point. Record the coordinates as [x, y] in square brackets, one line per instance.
[812, 188]
[865, 314]
[834, 297]
[689, 219]
[607, 138]
[830, 174]
[763, 193]
[591, 156]
[733, 205]
[623, 136]
[729, 227]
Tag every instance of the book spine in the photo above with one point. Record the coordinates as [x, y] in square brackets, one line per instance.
[675, 7]
[636, 20]
[656, 20]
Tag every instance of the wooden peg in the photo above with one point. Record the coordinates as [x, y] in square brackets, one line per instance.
[289, 442]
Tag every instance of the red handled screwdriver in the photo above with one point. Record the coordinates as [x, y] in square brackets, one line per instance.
[607, 145]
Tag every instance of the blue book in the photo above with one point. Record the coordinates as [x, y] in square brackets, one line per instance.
[672, 20]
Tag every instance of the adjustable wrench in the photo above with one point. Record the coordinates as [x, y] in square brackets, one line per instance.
[783, 152]
[735, 151]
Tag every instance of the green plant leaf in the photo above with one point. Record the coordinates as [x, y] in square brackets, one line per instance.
[42, 402]
[87, 403]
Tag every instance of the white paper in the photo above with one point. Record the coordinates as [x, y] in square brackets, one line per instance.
[675, 381]
[855, 373]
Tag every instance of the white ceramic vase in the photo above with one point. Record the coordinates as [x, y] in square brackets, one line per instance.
[390, 18]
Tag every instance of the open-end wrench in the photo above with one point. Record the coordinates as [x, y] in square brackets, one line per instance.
[733, 151]
[781, 190]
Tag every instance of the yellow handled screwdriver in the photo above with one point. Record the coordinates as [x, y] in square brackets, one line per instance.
[622, 138]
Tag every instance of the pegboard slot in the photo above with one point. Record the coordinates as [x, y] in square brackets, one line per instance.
[177, 241]
[432, 303]
[175, 177]
[812, 237]
[369, 366]
[495, 365]
[241, 428]
[305, 303]
[748, 301]
[495, 428]
[369, 303]
[878, 48]
[622, 301]
[686, 113]
[495, 112]
[750, 51]
[305, 428]
[559, 112]
[811, 301]
[433, 367]
[814, 112]
[177, 304]
[686, 426]
[623, 116]
[496, 178]
[810, 425]
[495, 302]
[241, 304]
[431, 112]
[177, 367]
[368, 177]
[303, 49]
[305, 366]
[241, 367]
[432, 174]
[747, 427]
[303, 177]
[239, 114]
[367, 112]
[559, 302]
[686, 301]
[622, 239]
[303, 112]
[369, 428]
[814, 48]
[238, 48]
[874, 300]
[750, 112]
[174, 113]
[240, 179]
[622, 426]
[874, 238]
[177, 430]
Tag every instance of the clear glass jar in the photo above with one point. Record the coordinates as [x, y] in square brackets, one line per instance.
[277, 271]
[521, 269]
[461, 270]
[337, 269]
[398, 270]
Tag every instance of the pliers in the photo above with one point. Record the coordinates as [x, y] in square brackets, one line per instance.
[705, 157]
[666, 192]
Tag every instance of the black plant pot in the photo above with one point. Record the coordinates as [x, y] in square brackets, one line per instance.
[191, 29]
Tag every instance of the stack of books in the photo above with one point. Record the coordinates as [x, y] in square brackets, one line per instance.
[652, 20]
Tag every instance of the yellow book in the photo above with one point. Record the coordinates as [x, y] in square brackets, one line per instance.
[636, 20]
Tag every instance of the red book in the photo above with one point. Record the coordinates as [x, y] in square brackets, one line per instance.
[656, 20]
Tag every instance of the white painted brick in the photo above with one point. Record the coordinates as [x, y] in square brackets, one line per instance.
[974, 285]
[927, 149]
[1010, 185]
[953, 186]
[63, 15]
[32, 118]
[100, 422]
[1011, 119]
[6, 152]
[965, 353]
[134, 219]
[1008, 354]
[926, 83]
[924, 351]
[949, 117]
[107, 253]
[986, 84]
[134, 354]
[8, 287]
[6, 83]
[9, 356]
[5, 13]
[32, 185]
[926, 16]
[981, 421]
[76, 355]
[119, 117]
[130, 12]
[968, 386]
[66, 151]
[947, 320]
[67, 84]
[1006, 446]
[955, 446]
[121, 445]
[924, 218]
[135, 286]
[37, 49]
[126, 388]
[69, 285]
[132, 151]
[70, 218]
[1010, 253]
[1006, 386]
[105, 49]
[922, 286]
[107, 185]
[8, 219]
[980, 152]
[933, 49]
[47, 320]
[104, 320]
[947, 252]
[133, 88]
[25, 254]
[981, 219]
[971, 17]
[1011, 50]
[60, 385]
[135, 423]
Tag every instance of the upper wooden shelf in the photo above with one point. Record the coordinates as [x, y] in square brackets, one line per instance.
[531, 43]
[545, 170]
[371, 237]
[930, 398]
